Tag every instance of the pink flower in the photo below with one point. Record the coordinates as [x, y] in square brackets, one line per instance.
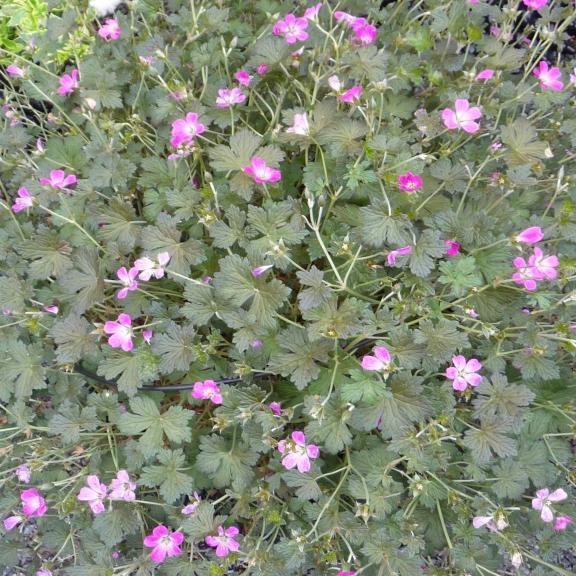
[23, 201]
[178, 94]
[52, 309]
[393, 254]
[543, 266]
[524, 274]
[164, 543]
[343, 573]
[487, 74]
[33, 504]
[543, 501]
[364, 35]
[297, 453]
[300, 125]
[11, 522]
[462, 117]
[334, 83]
[312, 12]
[227, 98]
[351, 95]
[452, 247]
[261, 269]
[110, 30]
[184, 130]
[148, 267]
[562, 522]
[573, 77]
[262, 69]
[58, 180]
[128, 279]
[494, 525]
[256, 344]
[549, 77]
[68, 83]
[410, 182]
[191, 508]
[243, 77]
[291, 28]
[147, 335]
[207, 390]
[224, 542]
[276, 408]
[43, 572]
[380, 361]
[261, 172]
[23, 473]
[94, 493]
[530, 235]
[345, 17]
[463, 372]
[121, 332]
[473, 1]
[535, 4]
[471, 312]
[15, 71]
[122, 488]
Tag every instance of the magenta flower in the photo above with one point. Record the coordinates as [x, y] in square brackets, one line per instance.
[43, 572]
[543, 266]
[410, 182]
[128, 279]
[191, 508]
[464, 373]
[164, 543]
[562, 522]
[227, 98]
[549, 77]
[262, 173]
[51, 309]
[243, 77]
[276, 408]
[493, 524]
[297, 453]
[462, 117]
[524, 274]
[351, 95]
[184, 130]
[23, 201]
[487, 74]
[380, 361]
[471, 312]
[530, 235]
[94, 493]
[33, 504]
[452, 247]
[147, 335]
[23, 473]
[393, 254]
[122, 488]
[121, 332]
[535, 4]
[15, 71]
[110, 30]
[312, 12]
[345, 17]
[68, 83]
[256, 344]
[11, 522]
[148, 267]
[300, 125]
[59, 181]
[364, 35]
[258, 271]
[544, 500]
[207, 390]
[224, 542]
[344, 573]
[262, 69]
[291, 29]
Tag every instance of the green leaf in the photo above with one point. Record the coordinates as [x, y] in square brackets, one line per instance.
[147, 420]
[336, 320]
[227, 464]
[50, 256]
[85, 282]
[74, 339]
[70, 421]
[306, 486]
[175, 347]
[22, 370]
[342, 137]
[490, 439]
[204, 302]
[317, 293]
[167, 476]
[362, 386]
[512, 480]
[442, 340]
[115, 525]
[226, 235]
[117, 222]
[332, 429]
[379, 228]
[13, 294]
[522, 142]
[299, 357]
[243, 146]
[538, 367]
[131, 370]
[460, 274]
[430, 245]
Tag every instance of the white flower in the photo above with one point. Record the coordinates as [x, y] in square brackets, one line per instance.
[103, 7]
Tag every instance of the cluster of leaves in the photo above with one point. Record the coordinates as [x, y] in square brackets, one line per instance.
[405, 461]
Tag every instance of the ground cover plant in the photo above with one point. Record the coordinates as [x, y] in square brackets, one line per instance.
[288, 288]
